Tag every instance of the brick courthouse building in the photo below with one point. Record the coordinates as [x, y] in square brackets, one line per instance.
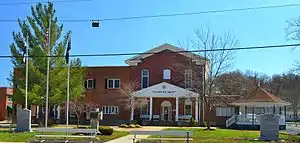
[160, 82]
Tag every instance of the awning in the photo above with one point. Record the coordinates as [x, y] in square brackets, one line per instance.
[164, 89]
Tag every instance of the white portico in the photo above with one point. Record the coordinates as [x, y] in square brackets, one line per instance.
[161, 105]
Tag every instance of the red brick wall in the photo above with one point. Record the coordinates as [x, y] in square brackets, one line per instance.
[3, 103]
[101, 96]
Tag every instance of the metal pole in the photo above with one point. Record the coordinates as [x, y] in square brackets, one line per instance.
[68, 94]
[48, 66]
[26, 86]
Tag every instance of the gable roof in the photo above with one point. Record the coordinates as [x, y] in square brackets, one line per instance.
[136, 59]
[261, 96]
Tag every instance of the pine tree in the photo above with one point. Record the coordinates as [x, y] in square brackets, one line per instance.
[36, 26]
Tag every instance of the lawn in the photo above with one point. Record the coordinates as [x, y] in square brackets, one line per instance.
[6, 136]
[228, 136]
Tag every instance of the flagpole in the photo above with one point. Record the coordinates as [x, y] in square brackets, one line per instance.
[26, 86]
[48, 66]
[68, 82]
[68, 94]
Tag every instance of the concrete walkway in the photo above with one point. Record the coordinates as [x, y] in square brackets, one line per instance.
[128, 138]
[292, 130]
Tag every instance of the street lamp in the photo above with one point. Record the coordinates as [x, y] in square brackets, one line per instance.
[95, 23]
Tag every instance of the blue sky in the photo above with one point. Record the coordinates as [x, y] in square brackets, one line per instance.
[251, 28]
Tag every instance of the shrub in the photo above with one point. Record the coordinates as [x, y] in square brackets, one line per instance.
[137, 126]
[104, 130]
[131, 126]
[133, 122]
[123, 126]
[193, 123]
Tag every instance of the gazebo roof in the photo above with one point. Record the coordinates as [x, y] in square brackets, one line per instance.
[260, 97]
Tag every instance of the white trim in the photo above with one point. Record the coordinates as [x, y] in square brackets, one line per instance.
[114, 83]
[196, 109]
[87, 83]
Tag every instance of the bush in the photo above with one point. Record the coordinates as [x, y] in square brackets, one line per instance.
[104, 130]
[137, 126]
[123, 126]
[131, 126]
[133, 122]
[193, 123]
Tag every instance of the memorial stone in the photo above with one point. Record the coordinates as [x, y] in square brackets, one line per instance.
[23, 120]
[269, 127]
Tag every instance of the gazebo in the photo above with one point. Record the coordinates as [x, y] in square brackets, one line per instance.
[250, 108]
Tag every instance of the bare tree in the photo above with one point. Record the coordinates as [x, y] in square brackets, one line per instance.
[127, 90]
[79, 106]
[217, 59]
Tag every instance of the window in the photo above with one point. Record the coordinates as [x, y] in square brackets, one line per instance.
[225, 111]
[144, 109]
[145, 78]
[113, 83]
[187, 107]
[188, 78]
[110, 109]
[90, 83]
[167, 74]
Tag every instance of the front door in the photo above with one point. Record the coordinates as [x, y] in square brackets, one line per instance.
[166, 111]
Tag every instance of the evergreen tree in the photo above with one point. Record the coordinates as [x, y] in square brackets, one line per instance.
[36, 26]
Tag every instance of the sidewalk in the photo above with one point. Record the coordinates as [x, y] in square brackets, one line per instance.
[126, 139]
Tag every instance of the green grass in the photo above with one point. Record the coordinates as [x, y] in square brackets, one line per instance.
[23, 137]
[227, 136]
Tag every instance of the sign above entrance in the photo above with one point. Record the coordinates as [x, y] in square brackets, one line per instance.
[164, 90]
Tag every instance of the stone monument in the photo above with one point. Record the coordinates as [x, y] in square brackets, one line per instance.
[94, 117]
[23, 120]
[269, 127]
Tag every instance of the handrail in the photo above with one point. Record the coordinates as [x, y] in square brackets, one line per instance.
[230, 121]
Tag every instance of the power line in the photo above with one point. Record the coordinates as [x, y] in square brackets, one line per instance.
[32, 2]
[167, 15]
[183, 51]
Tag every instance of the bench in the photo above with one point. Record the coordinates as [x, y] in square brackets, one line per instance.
[186, 134]
[92, 133]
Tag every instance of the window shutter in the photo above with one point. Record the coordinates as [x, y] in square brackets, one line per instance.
[94, 83]
[85, 84]
[105, 84]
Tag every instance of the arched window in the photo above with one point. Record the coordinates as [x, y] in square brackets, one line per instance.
[188, 107]
[167, 74]
[145, 78]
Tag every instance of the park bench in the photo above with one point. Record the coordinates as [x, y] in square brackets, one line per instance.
[69, 133]
[185, 135]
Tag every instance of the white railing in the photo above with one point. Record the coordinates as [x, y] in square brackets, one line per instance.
[230, 121]
[254, 120]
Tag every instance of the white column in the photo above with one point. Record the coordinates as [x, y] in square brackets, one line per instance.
[150, 112]
[58, 112]
[176, 116]
[196, 109]
[37, 111]
[132, 109]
